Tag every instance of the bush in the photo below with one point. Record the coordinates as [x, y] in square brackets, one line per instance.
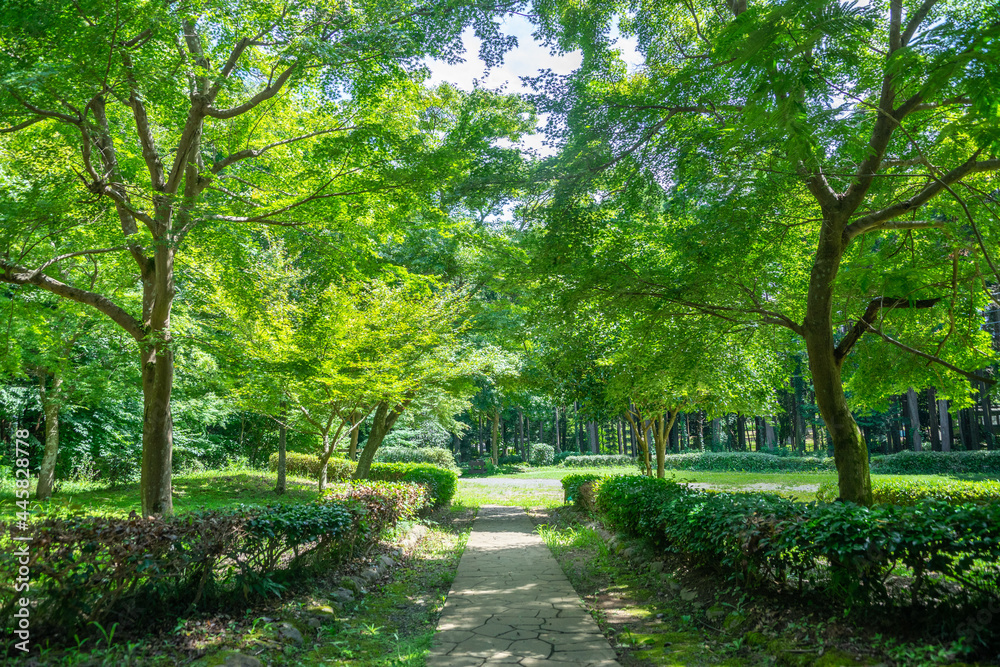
[540, 454]
[307, 465]
[433, 455]
[562, 456]
[764, 539]
[599, 461]
[510, 459]
[571, 485]
[910, 492]
[931, 463]
[137, 572]
[441, 483]
[746, 461]
[385, 503]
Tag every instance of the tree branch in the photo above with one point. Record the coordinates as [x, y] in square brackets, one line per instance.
[267, 93]
[60, 258]
[18, 275]
[930, 357]
[872, 220]
[256, 152]
[914, 23]
[871, 312]
[21, 126]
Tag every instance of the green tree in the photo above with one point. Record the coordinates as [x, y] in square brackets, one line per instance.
[194, 121]
[816, 165]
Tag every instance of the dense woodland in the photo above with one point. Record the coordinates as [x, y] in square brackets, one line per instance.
[229, 227]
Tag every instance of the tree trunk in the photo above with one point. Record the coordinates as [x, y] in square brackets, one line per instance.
[282, 443]
[985, 404]
[945, 420]
[662, 427]
[494, 437]
[973, 418]
[324, 462]
[639, 431]
[932, 420]
[352, 448]
[769, 434]
[914, 413]
[555, 443]
[576, 420]
[51, 399]
[382, 423]
[521, 445]
[157, 430]
[849, 450]
[741, 432]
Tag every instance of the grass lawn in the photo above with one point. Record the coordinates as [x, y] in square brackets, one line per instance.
[212, 489]
[473, 494]
[800, 485]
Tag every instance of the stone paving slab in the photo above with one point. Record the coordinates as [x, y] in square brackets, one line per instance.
[511, 604]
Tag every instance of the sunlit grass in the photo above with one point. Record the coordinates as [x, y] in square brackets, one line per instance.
[471, 494]
[210, 490]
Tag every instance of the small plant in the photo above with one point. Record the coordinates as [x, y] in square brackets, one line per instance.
[540, 454]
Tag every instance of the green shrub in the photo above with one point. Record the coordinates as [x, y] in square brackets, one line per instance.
[296, 464]
[762, 539]
[571, 485]
[562, 456]
[599, 461]
[433, 455]
[746, 461]
[540, 454]
[385, 502]
[137, 572]
[307, 465]
[933, 463]
[441, 483]
[510, 459]
[911, 492]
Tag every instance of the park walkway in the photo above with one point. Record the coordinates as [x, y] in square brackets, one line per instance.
[510, 603]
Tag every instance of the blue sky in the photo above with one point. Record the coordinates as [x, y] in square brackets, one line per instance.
[527, 59]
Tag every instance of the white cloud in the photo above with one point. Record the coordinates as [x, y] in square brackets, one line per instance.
[528, 59]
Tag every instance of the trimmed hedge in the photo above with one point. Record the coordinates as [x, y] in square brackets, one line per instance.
[140, 572]
[441, 483]
[433, 455]
[932, 463]
[850, 549]
[307, 465]
[562, 456]
[599, 461]
[910, 492]
[571, 485]
[746, 461]
[540, 454]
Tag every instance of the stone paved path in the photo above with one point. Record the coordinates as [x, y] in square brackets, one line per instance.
[510, 603]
